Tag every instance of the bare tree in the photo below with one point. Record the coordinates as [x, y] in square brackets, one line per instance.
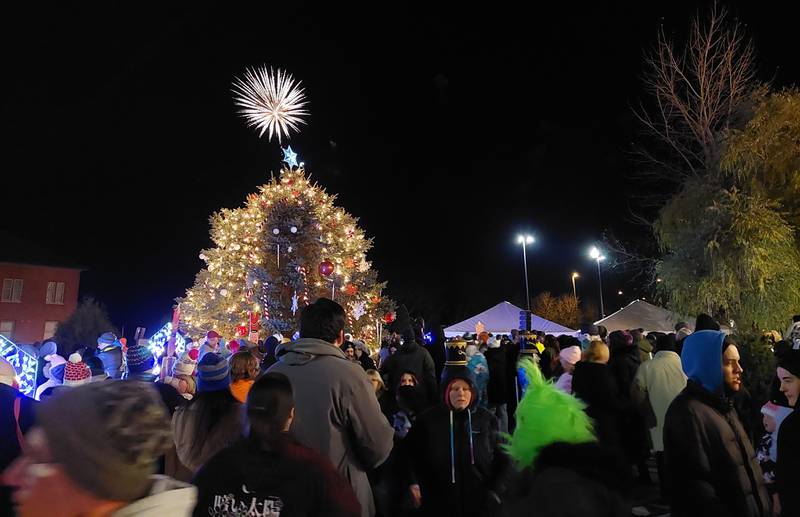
[696, 91]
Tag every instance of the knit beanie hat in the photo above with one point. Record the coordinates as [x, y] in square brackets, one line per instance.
[106, 340]
[76, 372]
[213, 373]
[187, 362]
[571, 354]
[139, 359]
[130, 430]
[7, 372]
[790, 361]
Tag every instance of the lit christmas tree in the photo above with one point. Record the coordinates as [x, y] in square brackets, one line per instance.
[288, 246]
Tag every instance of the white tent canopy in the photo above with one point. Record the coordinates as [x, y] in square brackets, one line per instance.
[500, 319]
[640, 314]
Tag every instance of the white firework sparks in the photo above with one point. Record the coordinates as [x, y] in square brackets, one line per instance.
[272, 102]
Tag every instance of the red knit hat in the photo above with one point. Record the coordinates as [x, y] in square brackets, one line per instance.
[211, 334]
[76, 372]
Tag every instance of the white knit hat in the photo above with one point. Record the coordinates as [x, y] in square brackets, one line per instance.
[187, 362]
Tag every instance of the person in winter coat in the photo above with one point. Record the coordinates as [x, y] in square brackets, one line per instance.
[623, 364]
[642, 344]
[410, 357]
[478, 366]
[17, 416]
[454, 449]
[336, 413]
[109, 350]
[212, 420]
[583, 479]
[787, 472]
[362, 354]
[568, 358]
[210, 344]
[711, 465]
[563, 473]
[767, 451]
[655, 386]
[52, 360]
[60, 473]
[269, 472]
[497, 389]
[244, 370]
[270, 345]
[593, 384]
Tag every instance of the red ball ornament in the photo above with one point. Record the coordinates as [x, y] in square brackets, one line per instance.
[375, 299]
[350, 290]
[389, 317]
[326, 268]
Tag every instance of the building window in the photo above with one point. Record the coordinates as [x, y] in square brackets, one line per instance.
[6, 328]
[49, 329]
[12, 290]
[55, 293]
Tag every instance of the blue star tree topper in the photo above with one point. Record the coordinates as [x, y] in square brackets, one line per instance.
[290, 157]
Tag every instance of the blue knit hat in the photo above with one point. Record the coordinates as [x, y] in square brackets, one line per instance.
[139, 359]
[213, 373]
[108, 339]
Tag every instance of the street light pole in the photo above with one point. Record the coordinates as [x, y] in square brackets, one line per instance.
[597, 255]
[600, 281]
[525, 240]
[574, 289]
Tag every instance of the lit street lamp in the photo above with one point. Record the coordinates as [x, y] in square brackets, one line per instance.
[525, 240]
[574, 290]
[597, 255]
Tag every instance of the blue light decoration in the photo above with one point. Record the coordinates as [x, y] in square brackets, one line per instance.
[290, 157]
[428, 338]
[158, 341]
[24, 363]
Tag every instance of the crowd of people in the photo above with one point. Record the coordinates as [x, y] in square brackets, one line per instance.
[517, 424]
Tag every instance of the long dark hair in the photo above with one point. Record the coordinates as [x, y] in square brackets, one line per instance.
[269, 406]
[210, 408]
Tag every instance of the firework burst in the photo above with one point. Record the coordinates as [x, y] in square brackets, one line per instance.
[270, 101]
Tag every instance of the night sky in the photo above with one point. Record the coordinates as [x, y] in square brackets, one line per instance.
[446, 129]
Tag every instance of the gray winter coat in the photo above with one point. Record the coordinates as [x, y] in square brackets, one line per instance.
[336, 411]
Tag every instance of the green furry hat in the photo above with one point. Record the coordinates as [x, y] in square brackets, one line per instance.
[545, 415]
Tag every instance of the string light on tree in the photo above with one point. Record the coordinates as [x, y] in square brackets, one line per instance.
[319, 245]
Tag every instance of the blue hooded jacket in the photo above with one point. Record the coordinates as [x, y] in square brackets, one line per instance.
[701, 358]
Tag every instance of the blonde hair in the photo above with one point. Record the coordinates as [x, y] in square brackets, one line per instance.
[244, 366]
[374, 375]
[597, 352]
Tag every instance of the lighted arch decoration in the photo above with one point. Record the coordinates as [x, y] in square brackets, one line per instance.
[25, 364]
[158, 341]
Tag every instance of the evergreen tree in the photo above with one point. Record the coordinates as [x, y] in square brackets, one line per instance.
[287, 246]
[83, 327]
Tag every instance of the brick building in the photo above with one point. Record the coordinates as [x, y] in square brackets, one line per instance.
[34, 299]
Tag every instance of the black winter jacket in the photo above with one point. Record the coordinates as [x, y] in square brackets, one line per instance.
[428, 447]
[709, 460]
[410, 358]
[497, 389]
[788, 471]
[245, 480]
[593, 384]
